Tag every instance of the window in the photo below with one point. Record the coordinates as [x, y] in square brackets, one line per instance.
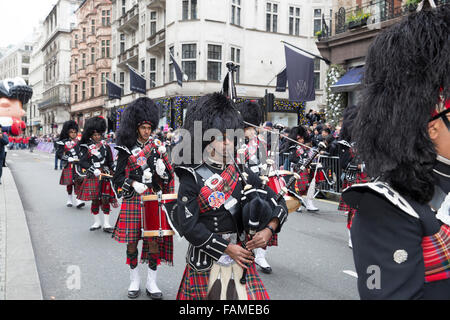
[92, 55]
[92, 26]
[152, 23]
[317, 20]
[189, 60]
[83, 90]
[122, 80]
[124, 7]
[105, 48]
[84, 34]
[143, 66]
[189, 9]
[271, 17]
[236, 58]
[142, 32]
[92, 87]
[171, 68]
[25, 71]
[105, 75]
[317, 74]
[75, 42]
[106, 18]
[214, 62]
[122, 43]
[152, 72]
[75, 93]
[76, 65]
[236, 12]
[25, 59]
[294, 21]
[83, 61]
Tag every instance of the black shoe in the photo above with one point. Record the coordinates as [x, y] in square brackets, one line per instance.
[94, 228]
[81, 205]
[133, 294]
[69, 205]
[108, 230]
[154, 296]
[267, 270]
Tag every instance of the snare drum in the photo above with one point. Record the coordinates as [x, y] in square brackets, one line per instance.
[155, 208]
[277, 182]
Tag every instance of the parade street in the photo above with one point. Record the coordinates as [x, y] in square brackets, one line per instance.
[312, 261]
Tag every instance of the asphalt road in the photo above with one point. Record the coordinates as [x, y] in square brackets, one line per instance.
[312, 261]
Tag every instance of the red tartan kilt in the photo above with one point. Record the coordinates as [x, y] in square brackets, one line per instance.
[194, 285]
[360, 178]
[89, 189]
[320, 176]
[273, 242]
[301, 185]
[67, 176]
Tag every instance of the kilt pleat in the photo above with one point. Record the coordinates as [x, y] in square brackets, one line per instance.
[194, 285]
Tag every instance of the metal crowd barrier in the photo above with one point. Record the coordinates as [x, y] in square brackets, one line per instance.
[332, 172]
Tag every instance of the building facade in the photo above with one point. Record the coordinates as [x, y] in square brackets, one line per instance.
[355, 24]
[37, 83]
[90, 59]
[202, 35]
[56, 49]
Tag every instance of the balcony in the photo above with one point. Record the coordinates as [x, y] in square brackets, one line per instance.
[90, 69]
[82, 46]
[130, 56]
[81, 73]
[103, 63]
[129, 22]
[55, 97]
[73, 77]
[91, 39]
[156, 42]
[355, 28]
[156, 4]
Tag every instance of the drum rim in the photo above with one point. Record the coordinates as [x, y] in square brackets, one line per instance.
[154, 197]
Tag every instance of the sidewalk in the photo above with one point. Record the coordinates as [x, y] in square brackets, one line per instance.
[19, 278]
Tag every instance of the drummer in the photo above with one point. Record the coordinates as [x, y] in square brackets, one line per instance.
[255, 155]
[142, 169]
[211, 210]
[97, 160]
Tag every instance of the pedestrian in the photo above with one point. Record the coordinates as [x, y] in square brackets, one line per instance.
[97, 160]
[401, 233]
[216, 258]
[143, 169]
[67, 153]
[55, 147]
[3, 143]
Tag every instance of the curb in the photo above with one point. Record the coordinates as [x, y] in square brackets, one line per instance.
[19, 278]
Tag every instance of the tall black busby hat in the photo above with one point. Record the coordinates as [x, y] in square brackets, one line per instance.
[348, 117]
[92, 125]
[68, 125]
[406, 67]
[213, 111]
[142, 110]
[251, 112]
[299, 131]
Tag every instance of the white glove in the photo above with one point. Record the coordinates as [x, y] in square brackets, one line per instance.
[97, 172]
[70, 159]
[162, 150]
[160, 167]
[147, 176]
[139, 187]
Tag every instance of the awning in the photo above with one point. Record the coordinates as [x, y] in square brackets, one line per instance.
[349, 81]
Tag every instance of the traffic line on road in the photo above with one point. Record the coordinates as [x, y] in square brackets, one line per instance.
[350, 273]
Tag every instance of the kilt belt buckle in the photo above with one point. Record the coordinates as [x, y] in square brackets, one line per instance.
[213, 181]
